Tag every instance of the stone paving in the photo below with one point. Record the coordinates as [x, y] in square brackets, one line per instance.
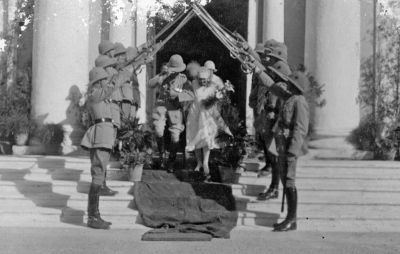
[334, 195]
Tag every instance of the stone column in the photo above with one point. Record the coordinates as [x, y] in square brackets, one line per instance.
[129, 26]
[60, 65]
[252, 40]
[274, 20]
[332, 55]
[122, 27]
[95, 29]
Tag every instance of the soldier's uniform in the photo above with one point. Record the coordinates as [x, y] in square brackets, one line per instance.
[168, 110]
[267, 105]
[108, 64]
[99, 139]
[129, 86]
[291, 131]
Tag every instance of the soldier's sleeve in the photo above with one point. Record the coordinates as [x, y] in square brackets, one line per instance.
[253, 97]
[153, 82]
[267, 81]
[99, 93]
[300, 130]
[177, 85]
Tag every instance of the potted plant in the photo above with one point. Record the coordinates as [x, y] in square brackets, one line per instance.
[229, 157]
[136, 148]
[15, 110]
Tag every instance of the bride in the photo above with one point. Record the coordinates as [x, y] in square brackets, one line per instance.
[204, 121]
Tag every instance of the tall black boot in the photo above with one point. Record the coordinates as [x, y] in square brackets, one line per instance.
[273, 191]
[266, 170]
[161, 150]
[290, 222]
[172, 157]
[94, 219]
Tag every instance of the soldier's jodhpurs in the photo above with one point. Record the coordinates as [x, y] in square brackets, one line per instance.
[266, 141]
[99, 158]
[286, 164]
[175, 122]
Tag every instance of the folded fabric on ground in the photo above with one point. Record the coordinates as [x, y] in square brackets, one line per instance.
[163, 201]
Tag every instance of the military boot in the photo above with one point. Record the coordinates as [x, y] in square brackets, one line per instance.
[290, 221]
[161, 150]
[105, 190]
[94, 219]
[271, 193]
[172, 157]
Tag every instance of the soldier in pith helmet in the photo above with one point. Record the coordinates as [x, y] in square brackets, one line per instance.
[106, 48]
[290, 133]
[168, 111]
[99, 140]
[129, 84]
[108, 64]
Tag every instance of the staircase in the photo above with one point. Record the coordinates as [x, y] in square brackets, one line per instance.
[357, 196]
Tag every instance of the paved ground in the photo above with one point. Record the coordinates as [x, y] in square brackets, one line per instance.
[344, 207]
[245, 240]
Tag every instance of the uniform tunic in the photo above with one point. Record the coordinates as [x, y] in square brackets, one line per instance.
[169, 106]
[99, 138]
[292, 128]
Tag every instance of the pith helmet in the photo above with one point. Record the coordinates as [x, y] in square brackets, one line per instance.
[176, 63]
[276, 75]
[119, 49]
[104, 61]
[282, 67]
[105, 46]
[299, 80]
[279, 52]
[97, 74]
[131, 53]
[210, 65]
[271, 43]
[259, 48]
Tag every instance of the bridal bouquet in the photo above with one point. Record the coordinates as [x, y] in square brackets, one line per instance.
[221, 95]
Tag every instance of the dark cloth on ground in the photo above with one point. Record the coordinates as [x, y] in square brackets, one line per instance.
[164, 201]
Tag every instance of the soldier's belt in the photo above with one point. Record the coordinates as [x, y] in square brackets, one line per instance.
[129, 102]
[103, 120]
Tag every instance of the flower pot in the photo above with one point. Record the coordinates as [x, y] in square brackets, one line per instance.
[228, 175]
[135, 173]
[21, 139]
[386, 155]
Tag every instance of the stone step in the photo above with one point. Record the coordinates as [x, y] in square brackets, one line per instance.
[386, 187]
[65, 187]
[342, 197]
[262, 221]
[44, 175]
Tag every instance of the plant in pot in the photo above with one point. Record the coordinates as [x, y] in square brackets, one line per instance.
[229, 157]
[15, 109]
[136, 148]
